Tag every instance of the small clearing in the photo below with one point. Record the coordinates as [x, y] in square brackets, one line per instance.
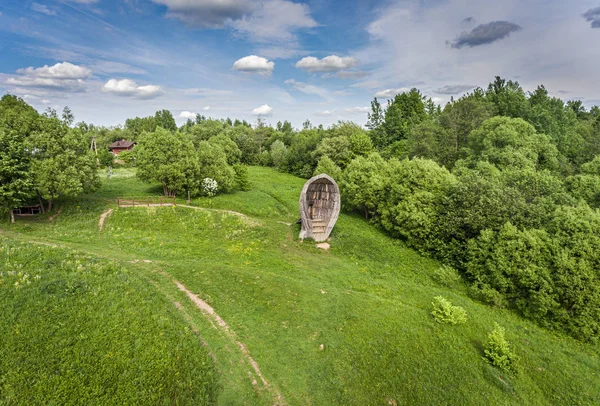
[103, 217]
[248, 219]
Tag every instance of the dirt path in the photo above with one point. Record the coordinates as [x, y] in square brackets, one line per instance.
[210, 313]
[103, 217]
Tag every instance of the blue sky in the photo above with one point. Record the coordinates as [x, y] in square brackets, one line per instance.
[317, 60]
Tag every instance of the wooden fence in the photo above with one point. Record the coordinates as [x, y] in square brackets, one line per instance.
[146, 201]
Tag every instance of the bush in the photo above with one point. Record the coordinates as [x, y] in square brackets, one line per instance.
[498, 353]
[105, 158]
[210, 187]
[242, 181]
[446, 276]
[445, 312]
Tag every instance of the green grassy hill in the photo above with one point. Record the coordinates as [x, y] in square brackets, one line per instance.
[347, 326]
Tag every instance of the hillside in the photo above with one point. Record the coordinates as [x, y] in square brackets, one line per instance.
[348, 326]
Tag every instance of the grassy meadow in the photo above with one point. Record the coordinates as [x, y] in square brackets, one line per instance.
[99, 319]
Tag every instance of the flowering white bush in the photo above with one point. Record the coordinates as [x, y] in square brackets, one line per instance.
[210, 187]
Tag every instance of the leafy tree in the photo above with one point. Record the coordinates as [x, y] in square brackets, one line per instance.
[137, 126]
[508, 98]
[360, 144]
[336, 148]
[242, 181]
[105, 158]
[164, 119]
[376, 120]
[413, 192]
[205, 130]
[328, 167]
[242, 136]
[508, 142]
[213, 164]
[170, 159]
[402, 113]
[62, 165]
[15, 180]
[279, 154]
[462, 116]
[362, 184]
[230, 148]
[432, 141]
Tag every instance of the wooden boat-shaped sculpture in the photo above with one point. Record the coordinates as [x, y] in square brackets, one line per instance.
[319, 207]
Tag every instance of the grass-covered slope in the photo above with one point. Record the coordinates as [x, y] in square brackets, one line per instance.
[348, 326]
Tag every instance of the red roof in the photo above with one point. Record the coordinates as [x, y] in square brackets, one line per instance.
[121, 145]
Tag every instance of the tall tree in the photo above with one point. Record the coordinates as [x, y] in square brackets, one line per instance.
[164, 119]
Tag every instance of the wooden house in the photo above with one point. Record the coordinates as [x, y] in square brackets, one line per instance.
[119, 146]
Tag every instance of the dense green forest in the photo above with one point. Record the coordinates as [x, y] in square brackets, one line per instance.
[501, 184]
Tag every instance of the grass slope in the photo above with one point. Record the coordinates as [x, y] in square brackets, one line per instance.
[348, 326]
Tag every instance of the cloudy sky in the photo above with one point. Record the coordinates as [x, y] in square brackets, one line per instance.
[322, 60]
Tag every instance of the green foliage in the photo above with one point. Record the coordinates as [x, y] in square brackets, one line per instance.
[170, 159]
[105, 158]
[362, 183]
[414, 190]
[447, 276]
[127, 156]
[213, 164]
[337, 149]
[508, 142]
[62, 164]
[15, 179]
[360, 144]
[444, 312]
[327, 166]
[233, 153]
[498, 352]
[402, 113]
[279, 154]
[164, 119]
[242, 181]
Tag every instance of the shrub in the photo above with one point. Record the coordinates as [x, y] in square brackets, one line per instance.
[210, 187]
[498, 353]
[445, 312]
[446, 276]
[241, 177]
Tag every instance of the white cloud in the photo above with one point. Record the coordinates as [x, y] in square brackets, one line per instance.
[207, 13]
[325, 113]
[62, 77]
[63, 70]
[42, 8]
[264, 110]
[206, 108]
[188, 115]
[388, 93]
[331, 63]
[358, 110]
[309, 89]
[254, 64]
[275, 21]
[129, 88]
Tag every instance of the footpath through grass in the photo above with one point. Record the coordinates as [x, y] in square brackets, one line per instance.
[348, 326]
